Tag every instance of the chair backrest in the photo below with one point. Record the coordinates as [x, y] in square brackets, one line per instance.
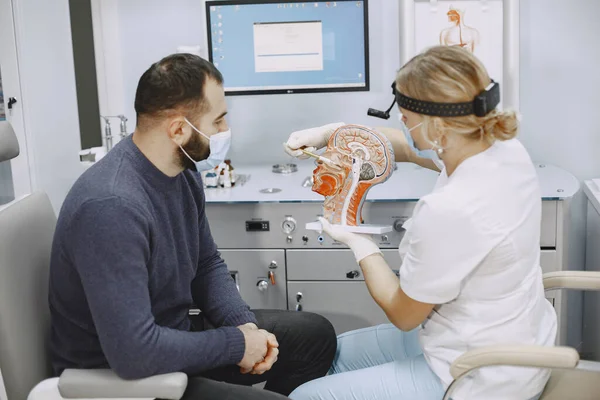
[26, 232]
[9, 146]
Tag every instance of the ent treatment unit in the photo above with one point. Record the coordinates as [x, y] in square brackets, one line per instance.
[259, 225]
[277, 263]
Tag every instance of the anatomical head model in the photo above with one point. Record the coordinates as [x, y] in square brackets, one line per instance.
[364, 158]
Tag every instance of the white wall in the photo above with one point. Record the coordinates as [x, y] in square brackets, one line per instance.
[560, 82]
[560, 103]
[48, 90]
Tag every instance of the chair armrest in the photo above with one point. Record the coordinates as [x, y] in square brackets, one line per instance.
[105, 384]
[523, 356]
[578, 280]
[9, 146]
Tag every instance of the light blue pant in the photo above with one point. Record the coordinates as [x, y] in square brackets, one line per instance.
[377, 363]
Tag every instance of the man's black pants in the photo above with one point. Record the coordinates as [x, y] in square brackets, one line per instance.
[307, 345]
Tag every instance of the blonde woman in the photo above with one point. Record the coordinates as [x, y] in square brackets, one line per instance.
[470, 275]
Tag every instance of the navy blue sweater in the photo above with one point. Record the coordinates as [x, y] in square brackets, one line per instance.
[132, 252]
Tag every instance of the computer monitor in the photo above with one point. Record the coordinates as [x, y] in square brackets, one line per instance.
[267, 47]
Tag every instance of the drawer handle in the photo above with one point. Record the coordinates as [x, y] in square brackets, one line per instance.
[353, 274]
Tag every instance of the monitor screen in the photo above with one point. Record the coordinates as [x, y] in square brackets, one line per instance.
[265, 46]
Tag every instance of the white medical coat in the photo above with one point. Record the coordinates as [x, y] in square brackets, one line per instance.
[473, 248]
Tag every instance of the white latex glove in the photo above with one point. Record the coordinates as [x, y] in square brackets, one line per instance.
[361, 245]
[311, 139]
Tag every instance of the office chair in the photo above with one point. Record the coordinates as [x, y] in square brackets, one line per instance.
[26, 230]
[571, 378]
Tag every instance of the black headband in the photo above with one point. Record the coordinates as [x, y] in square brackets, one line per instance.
[483, 104]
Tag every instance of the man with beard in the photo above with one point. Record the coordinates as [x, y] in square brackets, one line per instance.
[133, 251]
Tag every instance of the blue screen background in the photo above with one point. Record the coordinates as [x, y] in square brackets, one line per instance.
[343, 43]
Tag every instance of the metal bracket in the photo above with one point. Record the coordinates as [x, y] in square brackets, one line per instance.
[11, 101]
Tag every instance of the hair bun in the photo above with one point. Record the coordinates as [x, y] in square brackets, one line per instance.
[501, 125]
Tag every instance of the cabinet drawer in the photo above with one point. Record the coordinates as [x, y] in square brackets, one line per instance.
[329, 265]
[347, 305]
[335, 265]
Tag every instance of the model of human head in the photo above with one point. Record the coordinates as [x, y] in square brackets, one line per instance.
[364, 158]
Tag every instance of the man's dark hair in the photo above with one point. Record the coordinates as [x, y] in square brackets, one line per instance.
[175, 83]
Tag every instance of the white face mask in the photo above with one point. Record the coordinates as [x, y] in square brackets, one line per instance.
[219, 144]
[430, 154]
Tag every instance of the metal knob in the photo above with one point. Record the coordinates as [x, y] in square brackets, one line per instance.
[273, 265]
[262, 285]
[399, 225]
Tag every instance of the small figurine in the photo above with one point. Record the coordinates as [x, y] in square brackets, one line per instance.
[212, 180]
[224, 172]
[232, 174]
[226, 178]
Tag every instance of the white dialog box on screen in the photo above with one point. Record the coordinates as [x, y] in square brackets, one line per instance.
[288, 46]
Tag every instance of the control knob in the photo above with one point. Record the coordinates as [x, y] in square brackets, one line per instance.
[262, 285]
[399, 225]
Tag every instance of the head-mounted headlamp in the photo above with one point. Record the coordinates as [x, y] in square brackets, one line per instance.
[483, 104]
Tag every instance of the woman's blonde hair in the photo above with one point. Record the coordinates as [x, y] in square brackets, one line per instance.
[446, 74]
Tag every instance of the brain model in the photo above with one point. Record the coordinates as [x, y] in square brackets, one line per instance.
[363, 158]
